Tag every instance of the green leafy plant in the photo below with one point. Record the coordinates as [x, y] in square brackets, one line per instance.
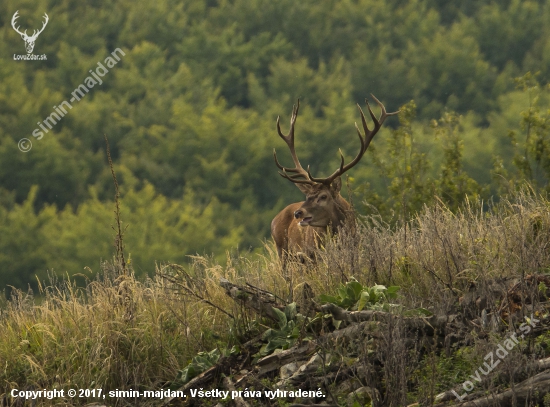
[353, 296]
[377, 297]
[347, 295]
[289, 323]
[200, 363]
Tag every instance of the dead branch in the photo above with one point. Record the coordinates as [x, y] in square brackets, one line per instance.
[531, 390]
[228, 384]
[536, 366]
[276, 360]
[260, 301]
[428, 325]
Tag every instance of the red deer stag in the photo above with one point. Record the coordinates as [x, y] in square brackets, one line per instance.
[298, 228]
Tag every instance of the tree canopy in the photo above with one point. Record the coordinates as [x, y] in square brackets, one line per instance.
[190, 112]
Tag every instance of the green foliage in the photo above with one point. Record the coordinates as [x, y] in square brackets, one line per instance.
[530, 143]
[67, 240]
[377, 297]
[348, 295]
[191, 108]
[534, 163]
[23, 241]
[200, 363]
[453, 184]
[439, 373]
[354, 296]
[405, 168]
[285, 337]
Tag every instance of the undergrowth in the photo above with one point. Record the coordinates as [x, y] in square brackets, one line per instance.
[120, 333]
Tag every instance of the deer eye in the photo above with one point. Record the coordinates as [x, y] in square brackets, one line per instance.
[322, 197]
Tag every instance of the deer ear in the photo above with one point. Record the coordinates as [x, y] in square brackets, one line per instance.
[305, 188]
[336, 185]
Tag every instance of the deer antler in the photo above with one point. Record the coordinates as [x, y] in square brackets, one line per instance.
[297, 172]
[365, 141]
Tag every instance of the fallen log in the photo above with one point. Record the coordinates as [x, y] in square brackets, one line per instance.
[427, 324]
[531, 390]
[276, 360]
[197, 382]
[534, 367]
[223, 366]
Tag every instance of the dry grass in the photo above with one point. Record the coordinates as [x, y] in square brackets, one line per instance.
[120, 333]
[439, 252]
[113, 334]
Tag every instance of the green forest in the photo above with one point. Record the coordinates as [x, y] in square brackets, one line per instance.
[190, 113]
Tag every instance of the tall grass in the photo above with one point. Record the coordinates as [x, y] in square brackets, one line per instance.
[439, 251]
[120, 333]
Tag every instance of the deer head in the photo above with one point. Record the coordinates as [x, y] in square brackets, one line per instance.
[323, 205]
[29, 40]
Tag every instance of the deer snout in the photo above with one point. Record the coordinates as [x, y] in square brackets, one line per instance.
[299, 214]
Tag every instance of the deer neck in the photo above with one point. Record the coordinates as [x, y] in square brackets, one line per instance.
[341, 212]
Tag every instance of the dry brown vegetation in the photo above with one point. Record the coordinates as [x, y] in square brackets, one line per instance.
[478, 265]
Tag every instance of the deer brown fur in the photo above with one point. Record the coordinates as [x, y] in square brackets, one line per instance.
[300, 227]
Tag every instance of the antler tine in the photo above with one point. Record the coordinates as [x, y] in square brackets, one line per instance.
[298, 170]
[280, 166]
[294, 178]
[384, 114]
[290, 137]
[365, 140]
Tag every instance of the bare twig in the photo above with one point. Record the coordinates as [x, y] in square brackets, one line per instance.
[119, 245]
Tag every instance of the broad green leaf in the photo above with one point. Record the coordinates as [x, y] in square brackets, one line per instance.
[282, 317]
[329, 298]
[392, 291]
[290, 311]
[363, 300]
[342, 292]
[356, 289]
